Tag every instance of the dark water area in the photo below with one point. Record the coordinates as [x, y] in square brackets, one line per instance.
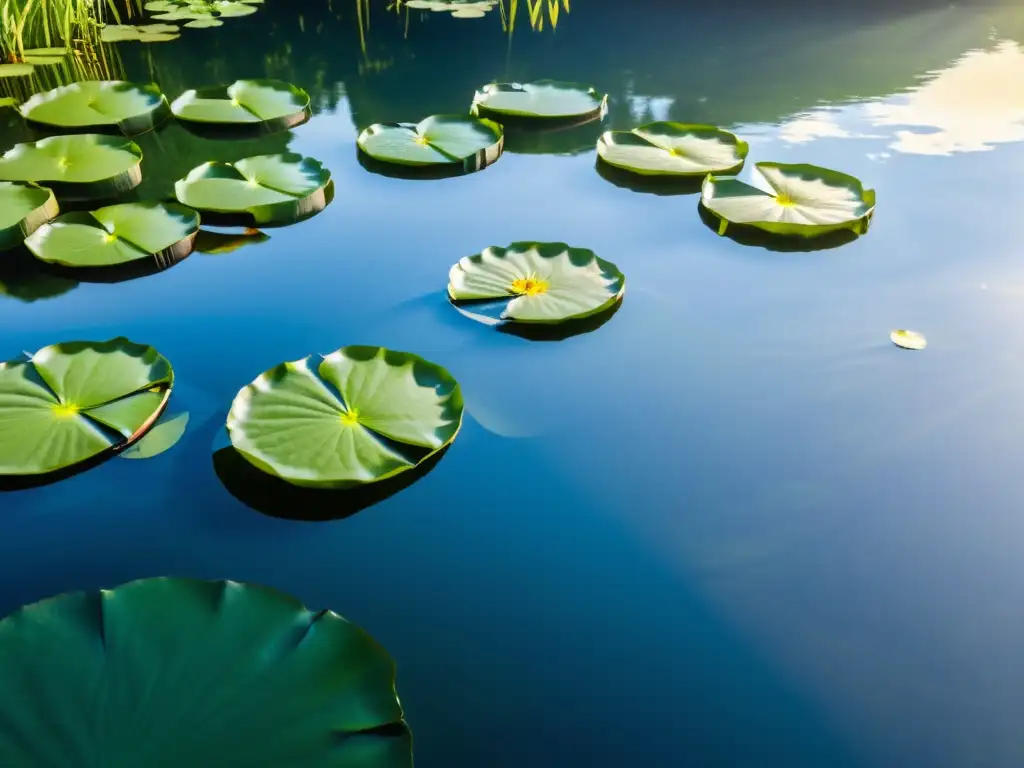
[732, 526]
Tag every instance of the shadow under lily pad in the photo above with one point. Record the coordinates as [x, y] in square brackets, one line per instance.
[274, 497]
[652, 185]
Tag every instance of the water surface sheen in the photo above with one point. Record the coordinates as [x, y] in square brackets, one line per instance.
[732, 527]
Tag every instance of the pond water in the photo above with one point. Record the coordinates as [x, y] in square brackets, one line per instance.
[732, 526]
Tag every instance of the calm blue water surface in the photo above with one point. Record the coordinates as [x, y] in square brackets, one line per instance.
[734, 526]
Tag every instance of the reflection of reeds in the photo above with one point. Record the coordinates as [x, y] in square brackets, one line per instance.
[509, 12]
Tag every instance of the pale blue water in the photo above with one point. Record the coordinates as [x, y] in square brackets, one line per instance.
[733, 526]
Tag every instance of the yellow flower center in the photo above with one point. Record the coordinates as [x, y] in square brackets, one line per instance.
[350, 417]
[421, 140]
[784, 200]
[529, 286]
[65, 411]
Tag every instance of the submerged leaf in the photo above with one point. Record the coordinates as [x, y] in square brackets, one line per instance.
[166, 434]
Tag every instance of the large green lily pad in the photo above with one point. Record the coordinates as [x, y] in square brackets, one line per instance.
[118, 235]
[532, 282]
[71, 402]
[673, 149]
[262, 105]
[172, 672]
[543, 99]
[99, 104]
[23, 209]
[440, 140]
[358, 415]
[267, 190]
[81, 166]
[804, 201]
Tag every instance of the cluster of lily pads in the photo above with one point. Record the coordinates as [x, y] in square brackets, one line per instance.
[195, 14]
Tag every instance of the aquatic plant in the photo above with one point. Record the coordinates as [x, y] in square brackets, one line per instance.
[99, 104]
[24, 207]
[673, 149]
[462, 141]
[540, 100]
[85, 166]
[253, 106]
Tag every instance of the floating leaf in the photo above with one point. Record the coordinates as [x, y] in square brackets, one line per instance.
[267, 190]
[805, 201]
[532, 282]
[143, 33]
[72, 402]
[21, 69]
[23, 209]
[178, 672]
[81, 166]
[117, 235]
[673, 149]
[547, 99]
[206, 13]
[395, 410]
[45, 57]
[98, 104]
[166, 434]
[458, 140]
[265, 105]
[908, 339]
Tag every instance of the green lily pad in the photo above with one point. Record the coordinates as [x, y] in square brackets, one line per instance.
[164, 435]
[99, 104]
[201, 10]
[267, 190]
[116, 235]
[83, 166]
[358, 415]
[45, 57]
[531, 282]
[23, 209]
[173, 672]
[543, 99]
[805, 201]
[267, 105]
[71, 402]
[142, 33]
[19, 69]
[460, 9]
[673, 149]
[460, 140]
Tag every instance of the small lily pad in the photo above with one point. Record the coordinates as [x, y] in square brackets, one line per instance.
[466, 142]
[24, 208]
[267, 106]
[18, 69]
[173, 672]
[357, 415]
[77, 167]
[673, 149]
[908, 339]
[45, 57]
[805, 201]
[162, 233]
[262, 191]
[543, 99]
[164, 435]
[532, 282]
[69, 403]
[142, 33]
[99, 104]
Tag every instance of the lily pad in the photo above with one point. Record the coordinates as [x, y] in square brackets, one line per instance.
[264, 105]
[117, 235]
[173, 672]
[267, 190]
[18, 69]
[358, 415]
[804, 201]
[99, 104]
[166, 434]
[220, 243]
[673, 149]
[532, 282]
[908, 339]
[543, 99]
[460, 9]
[45, 57]
[459, 140]
[201, 10]
[72, 402]
[79, 167]
[142, 33]
[23, 209]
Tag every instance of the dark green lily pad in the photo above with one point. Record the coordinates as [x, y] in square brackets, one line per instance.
[465, 142]
[358, 415]
[77, 167]
[24, 208]
[673, 149]
[71, 403]
[98, 105]
[540, 100]
[259, 106]
[262, 191]
[161, 233]
[176, 673]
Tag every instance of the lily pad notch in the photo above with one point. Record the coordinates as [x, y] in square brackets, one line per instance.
[358, 415]
[98, 105]
[175, 665]
[243, 108]
[542, 102]
[453, 143]
[804, 201]
[24, 208]
[673, 150]
[535, 283]
[75, 403]
[84, 166]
